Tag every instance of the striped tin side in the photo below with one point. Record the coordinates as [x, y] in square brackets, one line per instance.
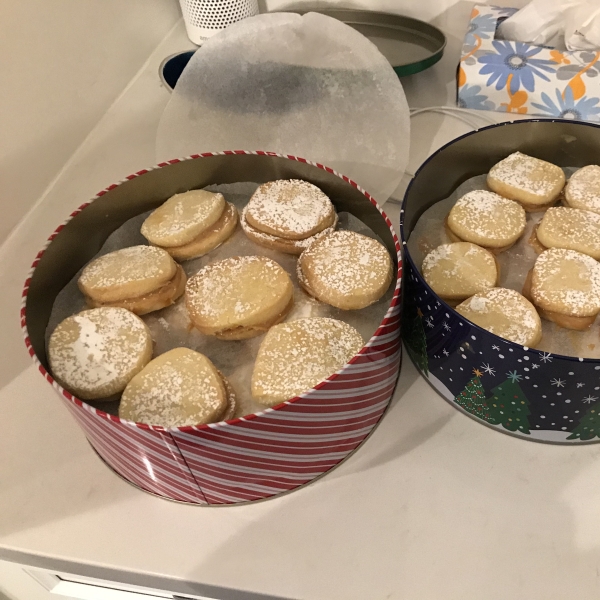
[260, 455]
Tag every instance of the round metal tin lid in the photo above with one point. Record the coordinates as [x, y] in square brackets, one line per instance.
[410, 45]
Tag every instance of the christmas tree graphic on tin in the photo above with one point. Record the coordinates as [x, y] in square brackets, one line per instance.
[507, 406]
[588, 428]
[472, 398]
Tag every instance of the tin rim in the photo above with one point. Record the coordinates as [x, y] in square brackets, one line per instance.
[594, 361]
[397, 23]
[395, 301]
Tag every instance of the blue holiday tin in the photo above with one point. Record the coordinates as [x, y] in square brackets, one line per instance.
[517, 390]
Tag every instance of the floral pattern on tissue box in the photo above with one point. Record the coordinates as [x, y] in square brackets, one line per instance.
[516, 77]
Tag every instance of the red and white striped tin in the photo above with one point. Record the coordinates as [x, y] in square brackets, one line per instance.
[257, 456]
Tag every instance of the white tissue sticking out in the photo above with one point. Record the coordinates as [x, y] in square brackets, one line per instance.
[582, 26]
[561, 24]
[309, 86]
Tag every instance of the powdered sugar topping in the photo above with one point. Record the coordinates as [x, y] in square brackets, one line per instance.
[179, 388]
[129, 265]
[320, 345]
[92, 350]
[513, 317]
[345, 261]
[241, 285]
[567, 281]
[528, 174]
[488, 217]
[571, 226]
[289, 206]
[583, 188]
[186, 215]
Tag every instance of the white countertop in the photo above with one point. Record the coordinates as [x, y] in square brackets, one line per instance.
[434, 505]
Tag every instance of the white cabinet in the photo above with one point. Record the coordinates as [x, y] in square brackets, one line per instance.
[21, 582]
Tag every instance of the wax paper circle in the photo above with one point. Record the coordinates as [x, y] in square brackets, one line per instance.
[308, 85]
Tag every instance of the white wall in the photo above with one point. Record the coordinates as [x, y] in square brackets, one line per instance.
[63, 64]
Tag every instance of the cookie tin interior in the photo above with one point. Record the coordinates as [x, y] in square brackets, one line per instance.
[83, 236]
[517, 390]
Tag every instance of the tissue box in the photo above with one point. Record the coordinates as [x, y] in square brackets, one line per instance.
[516, 77]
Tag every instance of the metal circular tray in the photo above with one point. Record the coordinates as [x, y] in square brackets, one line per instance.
[410, 45]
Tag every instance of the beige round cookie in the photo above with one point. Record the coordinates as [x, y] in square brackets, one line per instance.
[94, 354]
[281, 244]
[583, 189]
[239, 297]
[504, 313]
[486, 219]
[292, 209]
[533, 182]
[570, 228]
[459, 270]
[566, 282]
[210, 238]
[179, 388]
[296, 356]
[127, 273]
[158, 299]
[346, 269]
[183, 217]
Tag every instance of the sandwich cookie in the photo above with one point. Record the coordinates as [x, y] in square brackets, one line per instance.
[191, 224]
[179, 388]
[95, 353]
[570, 228]
[534, 183]
[460, 270]
[288, 215]
[583, 189]
[346, 270]
[239, 298]
[141, 279]
[296, 356]
[565, 286]
[486, 219]
[504, 313]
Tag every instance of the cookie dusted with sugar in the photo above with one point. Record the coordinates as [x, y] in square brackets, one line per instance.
[239, 297]
[191, 224]
[288, 215]
[570, 228]
[94, 354]
[486, 219]
[565, 286]
[504, 313]
[346, 270]
[534, 183]
[459, 270]
[141, 279]
[179, 388]
[296, 356]
[583, 189]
